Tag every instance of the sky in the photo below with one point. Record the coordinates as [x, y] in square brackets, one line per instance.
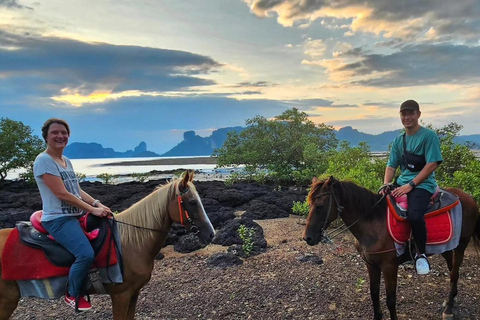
[121, 72]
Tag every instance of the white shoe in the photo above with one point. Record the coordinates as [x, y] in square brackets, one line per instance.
[421, 264]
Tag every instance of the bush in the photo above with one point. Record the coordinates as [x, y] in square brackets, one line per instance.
[107, 178]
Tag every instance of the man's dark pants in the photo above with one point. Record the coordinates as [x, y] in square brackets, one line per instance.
[418, 200]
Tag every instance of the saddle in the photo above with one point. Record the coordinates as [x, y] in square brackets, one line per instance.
[438, 219]
[30, 253]
[33, 234]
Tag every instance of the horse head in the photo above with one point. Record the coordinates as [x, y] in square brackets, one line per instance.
[323, 209]
[189, 210]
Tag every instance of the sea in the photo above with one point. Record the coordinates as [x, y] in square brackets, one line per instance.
[91, 168]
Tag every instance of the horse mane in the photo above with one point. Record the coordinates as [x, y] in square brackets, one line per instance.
[150, 212]
[354, 198]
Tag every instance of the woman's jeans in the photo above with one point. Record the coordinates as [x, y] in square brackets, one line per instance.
[68, 232]
[418, 200]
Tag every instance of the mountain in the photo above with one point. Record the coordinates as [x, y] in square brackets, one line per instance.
[377, 142]
[194, 145]
[81, 150]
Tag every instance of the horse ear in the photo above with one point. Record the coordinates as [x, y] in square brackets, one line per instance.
[314, 180]
[191, 176]
[183, 184]
[330, 181]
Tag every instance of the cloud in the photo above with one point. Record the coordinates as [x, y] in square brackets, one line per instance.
[456, 21]
[12, 4]
[47, 65]
[417, 65]
[257, 84]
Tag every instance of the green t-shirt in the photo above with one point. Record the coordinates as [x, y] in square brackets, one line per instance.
[423, 143]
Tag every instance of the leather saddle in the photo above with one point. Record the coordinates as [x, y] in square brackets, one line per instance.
[34, 235]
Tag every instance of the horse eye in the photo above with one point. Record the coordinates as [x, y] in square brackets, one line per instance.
[319, 206]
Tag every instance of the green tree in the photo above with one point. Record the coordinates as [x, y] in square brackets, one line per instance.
[356, 164]
[288, 143]
[18, 148]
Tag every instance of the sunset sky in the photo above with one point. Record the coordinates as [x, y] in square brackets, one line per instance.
[121, 72]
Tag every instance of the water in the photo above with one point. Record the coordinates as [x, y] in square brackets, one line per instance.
[93, 167]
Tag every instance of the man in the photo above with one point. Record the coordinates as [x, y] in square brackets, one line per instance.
[417, 152]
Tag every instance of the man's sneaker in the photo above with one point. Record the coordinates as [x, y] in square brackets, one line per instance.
[421, 264]
[82, 303]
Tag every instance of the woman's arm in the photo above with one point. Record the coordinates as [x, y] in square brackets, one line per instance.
[89, 199]
[55, 184]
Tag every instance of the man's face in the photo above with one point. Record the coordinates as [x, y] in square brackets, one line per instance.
[410, 118]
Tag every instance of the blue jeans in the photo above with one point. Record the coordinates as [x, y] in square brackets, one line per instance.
[68, 232]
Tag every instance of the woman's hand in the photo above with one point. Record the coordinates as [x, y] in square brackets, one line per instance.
[101, 211]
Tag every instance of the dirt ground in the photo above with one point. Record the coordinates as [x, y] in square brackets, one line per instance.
[275, 285]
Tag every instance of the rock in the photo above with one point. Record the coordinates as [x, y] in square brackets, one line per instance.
[188, 243]
[259, 210]
[311, 258]
[222, 215]
[223, 260]
[228, 235]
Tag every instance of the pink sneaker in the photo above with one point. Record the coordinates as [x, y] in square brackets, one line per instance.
[82, 303]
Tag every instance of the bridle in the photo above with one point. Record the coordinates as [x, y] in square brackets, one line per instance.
[183, 212]
[192, 227]
[336, 232]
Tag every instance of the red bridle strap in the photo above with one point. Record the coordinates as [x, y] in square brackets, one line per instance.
[181, 210]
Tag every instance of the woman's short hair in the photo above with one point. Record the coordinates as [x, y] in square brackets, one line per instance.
[49, 122]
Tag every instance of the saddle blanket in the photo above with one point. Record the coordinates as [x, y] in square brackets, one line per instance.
[21, 262]
[449, 242]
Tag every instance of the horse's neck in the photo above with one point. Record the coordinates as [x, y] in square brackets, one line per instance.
[366, 223]
[145, 225]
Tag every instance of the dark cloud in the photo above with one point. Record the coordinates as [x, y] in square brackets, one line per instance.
[418, 65]
[255, 84]
[12, 4]
[452, 20]
[54, 63]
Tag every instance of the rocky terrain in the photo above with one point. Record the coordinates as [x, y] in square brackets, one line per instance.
[283, 279]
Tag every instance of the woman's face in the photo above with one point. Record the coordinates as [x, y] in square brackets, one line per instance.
[57, 136]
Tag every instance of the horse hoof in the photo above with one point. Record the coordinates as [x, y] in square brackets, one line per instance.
[447, 316]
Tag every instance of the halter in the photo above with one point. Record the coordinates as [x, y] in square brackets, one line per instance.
[183, 212]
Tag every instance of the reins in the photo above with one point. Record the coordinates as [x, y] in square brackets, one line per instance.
[336, 232]
[183, 212]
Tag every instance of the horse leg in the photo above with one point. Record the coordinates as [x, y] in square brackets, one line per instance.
[9, 297]
[120, 305]
[454, 274]
[133, 305]
[390, 273]
[374, 276]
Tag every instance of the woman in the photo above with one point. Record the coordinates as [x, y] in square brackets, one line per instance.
[63, 203]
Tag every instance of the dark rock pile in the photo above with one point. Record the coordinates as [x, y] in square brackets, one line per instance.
[18, 200]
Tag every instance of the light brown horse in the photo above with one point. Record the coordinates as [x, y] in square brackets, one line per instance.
[365, 214]
[154, 216]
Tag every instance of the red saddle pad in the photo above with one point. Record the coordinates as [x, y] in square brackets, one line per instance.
[21, 262]
[439, 228]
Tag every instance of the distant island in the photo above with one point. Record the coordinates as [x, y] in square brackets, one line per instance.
[194, 145]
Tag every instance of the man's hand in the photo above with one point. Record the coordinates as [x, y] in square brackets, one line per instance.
[400, 191]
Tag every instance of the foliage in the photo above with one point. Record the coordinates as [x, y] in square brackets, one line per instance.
[233, 178]
[140, 177]
[18, 148]
[357, 165]
[288, 143]
[300, 208]
[456, 157]
[246, 234]
[80, 176]
[107, 178]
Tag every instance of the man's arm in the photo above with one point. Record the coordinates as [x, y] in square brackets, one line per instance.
[422, 175]
[389, 174]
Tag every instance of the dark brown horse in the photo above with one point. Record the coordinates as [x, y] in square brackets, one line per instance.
[365, 214]
[153, 217]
